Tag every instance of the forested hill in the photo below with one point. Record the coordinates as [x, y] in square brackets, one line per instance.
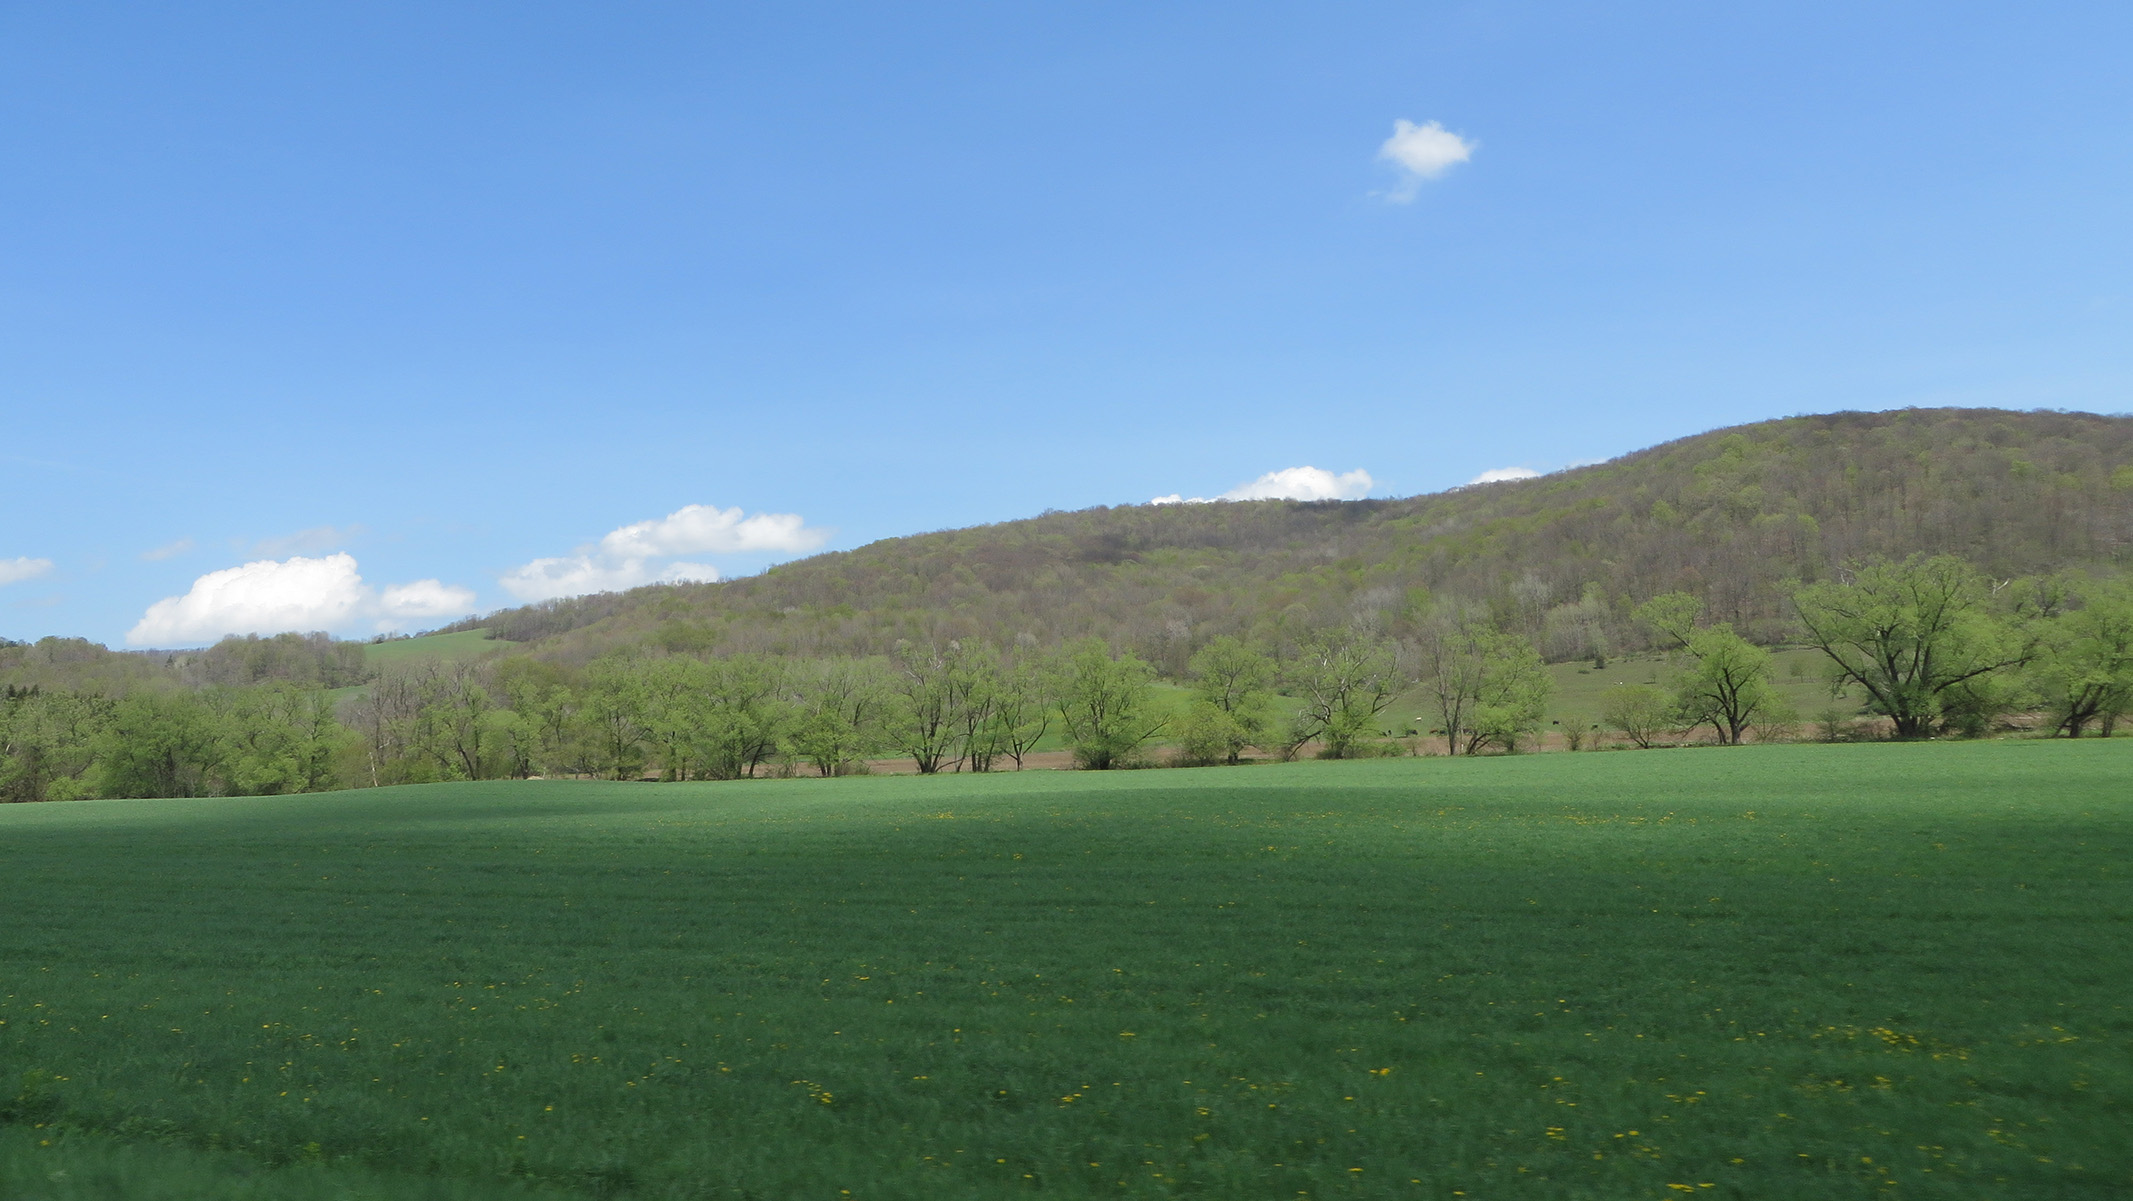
[1728, 515]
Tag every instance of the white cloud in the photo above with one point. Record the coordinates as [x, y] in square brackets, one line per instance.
[1500, 475]
[1289, 483]
[1421, 152]
[627, 557]
[169, 550]
[14, 571]
[576, 575]
[1304, 483]
[572, 575]
[270, 596]
[263, 597]
[689, 573]
[425, 598]
[707, 529]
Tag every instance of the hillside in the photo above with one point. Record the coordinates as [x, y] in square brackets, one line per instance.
[1728, 514]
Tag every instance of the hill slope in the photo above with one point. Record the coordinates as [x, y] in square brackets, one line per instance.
[1728, 514]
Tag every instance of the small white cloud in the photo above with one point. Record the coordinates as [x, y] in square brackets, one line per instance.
[169, 550]
[1289, 483]
[577, 575]
[311, 541]
[1421, 152]
[707, 529]
[423, 598]
[626, 557]
[573, 575]
[1304, 483]
[14, 571]
[271, 596]
[1500, 475]
[689, 573]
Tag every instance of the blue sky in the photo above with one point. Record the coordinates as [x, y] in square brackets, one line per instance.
[410, 305]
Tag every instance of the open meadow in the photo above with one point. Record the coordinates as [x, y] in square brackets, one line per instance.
[1754, 973]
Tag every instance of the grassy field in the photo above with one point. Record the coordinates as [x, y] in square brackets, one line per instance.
[1756, 973]
[1580, 690]
[402, 652]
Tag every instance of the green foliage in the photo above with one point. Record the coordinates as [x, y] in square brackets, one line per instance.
[745, 713]
[1343, 679]
[1513, 700]
[48, 744]
[1726, 685]
[839, 714]
[1489, 688]
[1725, 680]
[1641, 712]
[1232, 702]
[278, 740]
[1104, 705]
[615, 712]
[2084, 671]
[1672, 616]
[1179, 980]
[303, 660]
[1022, 707]
[1919, 637]
[159, 744]
[928, 700]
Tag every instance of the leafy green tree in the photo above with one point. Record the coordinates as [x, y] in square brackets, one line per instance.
[159, 745]
[2084, 671]
[1727, 685]
[1344, 679]
[1726, 682]
[545, 733]
[1454, 656]
[277, 739]
[925, 714]
[1671, 616]
[1910, 634]
[1489, 687]
[1640, 711]
[48, 743]
[454, 719]
[977, 678]
[380, 718]
[1022, 709]
[675, 693]
[614, 714]
[838, 717]
[1232, 701]
[1513, 701]
[1104, 705]
[747, 715]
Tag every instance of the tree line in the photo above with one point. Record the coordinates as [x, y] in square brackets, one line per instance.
[1931, 644]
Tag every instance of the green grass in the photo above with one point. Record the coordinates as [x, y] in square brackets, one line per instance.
[1766, 972]
[1580, 690]
[402, 652]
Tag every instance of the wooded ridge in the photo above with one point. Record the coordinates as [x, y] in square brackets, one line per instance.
[1727, 516]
